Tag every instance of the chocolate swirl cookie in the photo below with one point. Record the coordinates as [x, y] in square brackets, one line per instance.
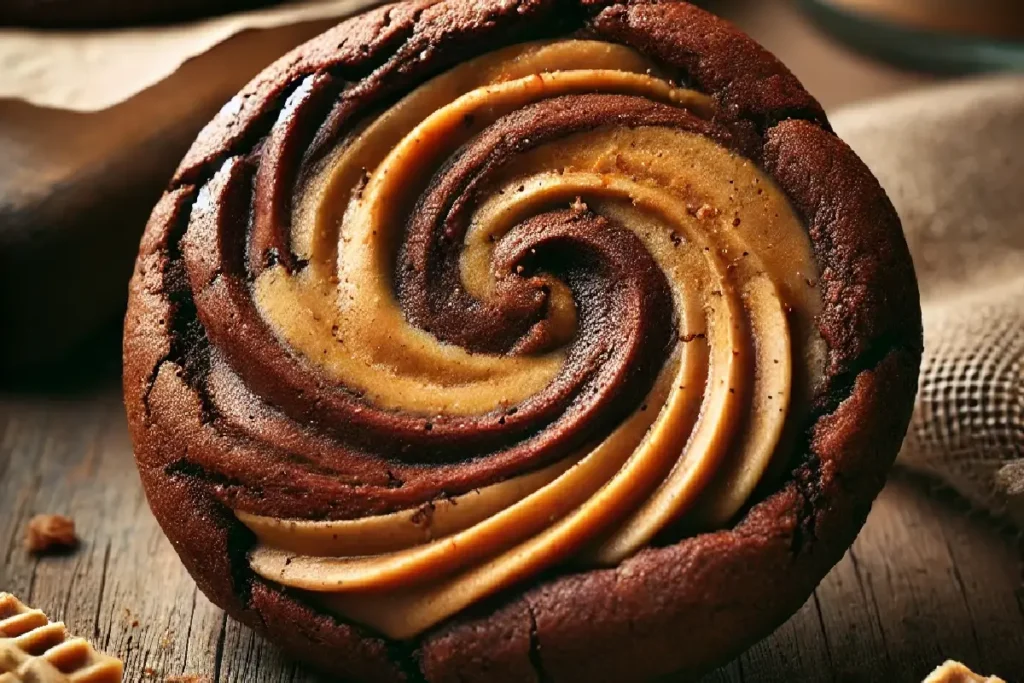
[527, 340]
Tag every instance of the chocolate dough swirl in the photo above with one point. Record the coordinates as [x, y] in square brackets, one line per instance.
[542, 309]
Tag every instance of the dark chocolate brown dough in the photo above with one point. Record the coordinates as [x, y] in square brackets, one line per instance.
[224, 420]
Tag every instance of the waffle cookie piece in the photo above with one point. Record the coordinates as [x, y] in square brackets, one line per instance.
[34, 649]
[955, 672]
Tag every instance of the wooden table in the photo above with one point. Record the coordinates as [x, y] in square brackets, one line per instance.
[925, 580]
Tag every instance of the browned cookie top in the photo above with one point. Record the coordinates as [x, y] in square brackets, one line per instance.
[459, 293]
[101, 13]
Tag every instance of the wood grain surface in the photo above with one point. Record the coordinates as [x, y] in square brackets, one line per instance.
[925, 581]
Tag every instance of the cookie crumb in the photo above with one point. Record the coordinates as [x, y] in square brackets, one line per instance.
[50, 533]
[188, 678]
[955, 672]
[706, 211]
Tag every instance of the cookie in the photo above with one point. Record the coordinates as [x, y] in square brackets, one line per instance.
[519, 341]
[34, 649]
[106, 13]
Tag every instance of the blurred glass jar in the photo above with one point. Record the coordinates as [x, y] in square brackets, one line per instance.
[954, 36]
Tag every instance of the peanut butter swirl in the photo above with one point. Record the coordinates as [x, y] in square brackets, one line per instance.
[541, 311]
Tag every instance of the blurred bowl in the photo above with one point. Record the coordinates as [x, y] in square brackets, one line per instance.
[945, 36]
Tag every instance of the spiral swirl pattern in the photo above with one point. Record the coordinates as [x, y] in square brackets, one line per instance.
[539, 310]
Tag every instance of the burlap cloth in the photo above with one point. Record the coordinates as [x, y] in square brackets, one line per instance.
[952, 160]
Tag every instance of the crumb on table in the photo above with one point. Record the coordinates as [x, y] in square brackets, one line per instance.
[49, 533]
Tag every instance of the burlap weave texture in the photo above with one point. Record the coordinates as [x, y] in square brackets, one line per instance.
[952, 160]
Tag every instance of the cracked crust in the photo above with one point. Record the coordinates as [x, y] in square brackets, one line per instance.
[724, 590]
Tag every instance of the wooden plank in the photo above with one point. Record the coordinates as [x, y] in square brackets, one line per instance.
[906, 560]
[798, 650]
[985, 574]
[850, 619]
[124, 587]
[924, 581]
